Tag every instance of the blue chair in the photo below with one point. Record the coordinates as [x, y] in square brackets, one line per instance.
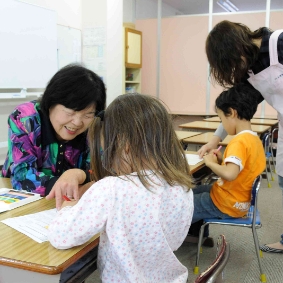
[214, 273]
[252, 220]
[268, 154]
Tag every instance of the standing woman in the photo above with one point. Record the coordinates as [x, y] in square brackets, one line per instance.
[48, 137]
[237, 54]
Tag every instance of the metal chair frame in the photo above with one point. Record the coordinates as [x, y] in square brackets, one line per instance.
[251, 221]
[272, 143]
[268, 154]
[214, 273]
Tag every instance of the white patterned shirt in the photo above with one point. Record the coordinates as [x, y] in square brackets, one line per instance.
[139, 228]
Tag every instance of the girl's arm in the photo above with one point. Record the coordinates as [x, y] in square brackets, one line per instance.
[74, 226]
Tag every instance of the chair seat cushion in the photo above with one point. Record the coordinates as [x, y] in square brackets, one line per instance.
[245, 220]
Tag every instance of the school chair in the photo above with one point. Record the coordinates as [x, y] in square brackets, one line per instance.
[267, 150]
[251, 220]
[214, 273]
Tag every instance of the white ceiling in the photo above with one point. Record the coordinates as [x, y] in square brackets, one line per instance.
[201, 6]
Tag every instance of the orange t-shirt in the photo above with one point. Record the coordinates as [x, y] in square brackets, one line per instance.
[234, 197]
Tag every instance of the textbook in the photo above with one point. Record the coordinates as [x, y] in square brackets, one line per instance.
[10, 199]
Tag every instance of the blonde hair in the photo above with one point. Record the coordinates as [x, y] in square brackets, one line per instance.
[142, 124]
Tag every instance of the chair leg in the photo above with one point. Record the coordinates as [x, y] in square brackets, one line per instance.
[267, 178]
[262, 275]
[196, 268]
[272, 179]
[273, 161]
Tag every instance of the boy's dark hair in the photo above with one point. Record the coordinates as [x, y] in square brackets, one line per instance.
[241, 97]
[76, 88]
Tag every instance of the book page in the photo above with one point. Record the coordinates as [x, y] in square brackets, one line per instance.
[33, 225]
[193, 159]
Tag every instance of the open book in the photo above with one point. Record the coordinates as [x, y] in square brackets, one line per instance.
[10, 199]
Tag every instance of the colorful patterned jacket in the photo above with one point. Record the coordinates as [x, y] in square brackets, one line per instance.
[35, 157]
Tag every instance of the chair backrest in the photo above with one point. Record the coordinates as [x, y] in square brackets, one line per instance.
[253, 213]
[266, 141]
[213, 273]
[255, 189]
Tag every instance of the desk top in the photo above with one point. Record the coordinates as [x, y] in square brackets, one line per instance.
[20, 251]
[185, 134]
[205, 138]
[255, 121]
[204, 125]
[201, 125]
[195, 168]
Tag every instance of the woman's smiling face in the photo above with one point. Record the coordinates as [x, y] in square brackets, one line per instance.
[68, 123]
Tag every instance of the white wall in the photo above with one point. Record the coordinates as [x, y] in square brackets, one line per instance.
[129, 7]
[80, 14]
[68, 11]
[115, 45]
[68, 14]
[108, 15]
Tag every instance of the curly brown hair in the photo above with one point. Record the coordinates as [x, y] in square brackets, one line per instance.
[231, 51]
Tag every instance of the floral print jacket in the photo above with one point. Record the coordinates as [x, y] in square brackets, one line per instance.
[35, 157]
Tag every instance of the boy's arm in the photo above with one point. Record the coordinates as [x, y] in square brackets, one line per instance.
[228, 171]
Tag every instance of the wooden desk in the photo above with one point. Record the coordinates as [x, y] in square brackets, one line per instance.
[195, 142]
[212, 119]
[255, 121]
[201, 126]
[22, 260]
[260, 129]
[267, 122]
[198, 166]
[185, 134]
[212, 126]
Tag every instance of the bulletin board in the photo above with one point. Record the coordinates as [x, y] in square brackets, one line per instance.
[69, 45]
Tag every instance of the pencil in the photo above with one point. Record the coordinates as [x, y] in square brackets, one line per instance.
[66, 198]
[215, 153]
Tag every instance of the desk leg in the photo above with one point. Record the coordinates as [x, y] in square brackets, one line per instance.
[14, 275]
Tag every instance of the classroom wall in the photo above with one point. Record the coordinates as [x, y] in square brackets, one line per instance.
[80, 14]
[183, 63]
[68, 11]
[69, 14]
[146, 9]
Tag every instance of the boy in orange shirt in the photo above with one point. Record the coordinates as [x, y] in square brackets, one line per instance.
[243, 160]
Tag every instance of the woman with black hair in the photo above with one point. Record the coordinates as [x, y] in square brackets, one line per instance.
[47, 137]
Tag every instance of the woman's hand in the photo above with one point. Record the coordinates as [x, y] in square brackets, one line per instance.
[68, 184]
[207, 148]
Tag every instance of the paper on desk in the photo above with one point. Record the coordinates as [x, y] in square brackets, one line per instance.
[33, 225]
[193, 159]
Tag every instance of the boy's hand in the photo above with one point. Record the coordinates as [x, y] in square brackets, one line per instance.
[218, 154]
[210, 158]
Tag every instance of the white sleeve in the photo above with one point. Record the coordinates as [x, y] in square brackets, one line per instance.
[220, 132]
[75, 225]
